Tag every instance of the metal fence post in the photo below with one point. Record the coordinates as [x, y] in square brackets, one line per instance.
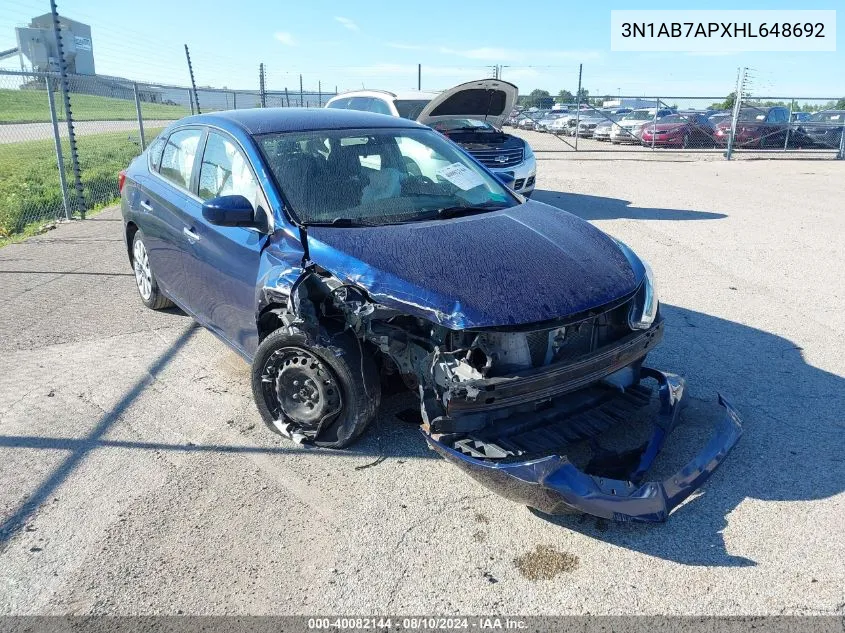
[234, 101]
[654, 121]
[262, 94]
[578, 106]
[74, 152]
[59, 159]
[841, 155]
[789, 127]
[140, 118]
[193, 82]
[191, 101]
[300, 91]
[740, 82]
[287, 97]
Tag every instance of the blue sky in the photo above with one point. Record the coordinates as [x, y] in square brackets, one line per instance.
[378, 45]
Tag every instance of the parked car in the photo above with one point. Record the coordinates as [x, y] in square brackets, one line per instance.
[531, 119]
[756, 126]
[587, 122]
[603, 128]
[546, 122]
[479, 108]
[684, 130]
[330, 248]
[824, 128]
[630, 125]
[798, 117]
[718, 117]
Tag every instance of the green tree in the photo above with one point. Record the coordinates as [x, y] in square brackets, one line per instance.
[540, 99]
[840, 105]
[564, 96]
[583, 95]
[727, 104]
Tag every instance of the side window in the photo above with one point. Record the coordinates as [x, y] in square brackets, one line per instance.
[340, 104]
[359, 103]
[379, 106]
[154, 152]
[177, 161]
[225, 171]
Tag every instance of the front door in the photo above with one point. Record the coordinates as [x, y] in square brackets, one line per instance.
[221, 263]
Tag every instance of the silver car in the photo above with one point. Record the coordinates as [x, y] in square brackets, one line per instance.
[470, 114]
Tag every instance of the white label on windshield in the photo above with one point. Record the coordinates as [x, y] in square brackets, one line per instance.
[461, 176]
[835, 117]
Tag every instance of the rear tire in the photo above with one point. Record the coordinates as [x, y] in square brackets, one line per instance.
[337, 390]
[145, 279]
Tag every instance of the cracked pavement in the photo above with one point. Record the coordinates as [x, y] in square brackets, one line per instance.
[139, 479]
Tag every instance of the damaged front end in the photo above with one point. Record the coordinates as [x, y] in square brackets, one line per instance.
[516, 407]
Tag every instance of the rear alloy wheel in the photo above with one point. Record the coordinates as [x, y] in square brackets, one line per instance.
[145, 280]
[325, 396]
[685, 141]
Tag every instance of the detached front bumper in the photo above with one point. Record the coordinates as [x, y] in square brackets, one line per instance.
[554, 485]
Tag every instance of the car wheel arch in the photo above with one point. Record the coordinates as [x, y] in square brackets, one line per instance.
[131, 229]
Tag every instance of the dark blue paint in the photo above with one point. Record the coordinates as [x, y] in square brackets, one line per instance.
[554, 485]
[526, 264]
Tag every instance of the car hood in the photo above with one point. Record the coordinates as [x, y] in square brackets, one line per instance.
[489, 100]
[527, 264]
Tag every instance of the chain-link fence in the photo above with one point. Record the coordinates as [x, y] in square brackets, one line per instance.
[43, 176]
[790, 126]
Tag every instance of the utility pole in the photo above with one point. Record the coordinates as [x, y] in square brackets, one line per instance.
[193, 83]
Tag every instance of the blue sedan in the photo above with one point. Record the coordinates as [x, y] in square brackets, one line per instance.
[342, 253]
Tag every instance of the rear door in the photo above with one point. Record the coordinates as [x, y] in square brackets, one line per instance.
[166, 199]
[221, 263]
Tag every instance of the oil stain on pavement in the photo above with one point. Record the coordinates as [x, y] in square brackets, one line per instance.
[545, 562]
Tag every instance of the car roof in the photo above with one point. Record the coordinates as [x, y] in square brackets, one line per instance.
[268, 120]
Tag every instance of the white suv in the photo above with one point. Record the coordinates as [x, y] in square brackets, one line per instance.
[470, 114]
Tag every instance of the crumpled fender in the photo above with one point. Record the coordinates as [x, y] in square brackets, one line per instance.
[554, 485]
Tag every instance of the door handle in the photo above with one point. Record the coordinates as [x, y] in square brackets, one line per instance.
[190, 234]
[146, 206]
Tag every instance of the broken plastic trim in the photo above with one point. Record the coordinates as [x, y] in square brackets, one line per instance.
[554, 485]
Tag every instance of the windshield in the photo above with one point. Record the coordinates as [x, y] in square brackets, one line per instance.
[752, 114]
[638, 115]
[378, 176]
[832, 116]
[410, 108]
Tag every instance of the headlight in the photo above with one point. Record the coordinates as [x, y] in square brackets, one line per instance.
[644, 307]
[528, 152]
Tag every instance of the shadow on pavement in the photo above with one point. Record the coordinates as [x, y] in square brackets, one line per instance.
[791, 451]
[600, 208]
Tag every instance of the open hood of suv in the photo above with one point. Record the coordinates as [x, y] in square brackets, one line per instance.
[489, 100]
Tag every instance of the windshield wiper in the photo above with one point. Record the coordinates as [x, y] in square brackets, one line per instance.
[342, 222]
[458, 211]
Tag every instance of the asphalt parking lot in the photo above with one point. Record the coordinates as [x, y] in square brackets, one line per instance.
[138, 477]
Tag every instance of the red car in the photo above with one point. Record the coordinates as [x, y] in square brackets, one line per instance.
[685, 130]
[756, 127]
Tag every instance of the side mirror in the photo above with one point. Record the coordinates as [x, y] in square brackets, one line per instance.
[505, 178]
[229, 211]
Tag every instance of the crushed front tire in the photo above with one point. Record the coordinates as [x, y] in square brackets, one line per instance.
[351, 369]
